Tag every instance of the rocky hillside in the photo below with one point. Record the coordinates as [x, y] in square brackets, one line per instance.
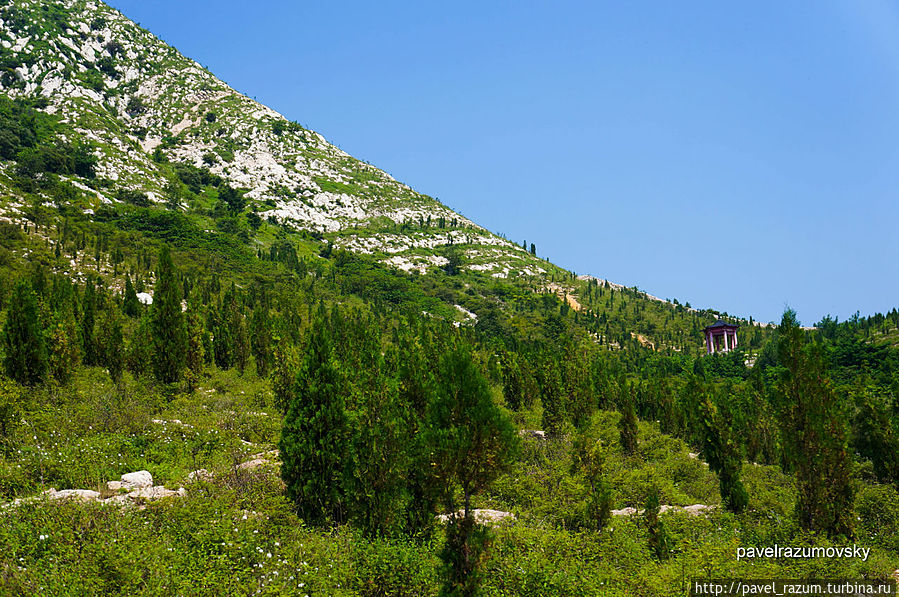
[140, 104]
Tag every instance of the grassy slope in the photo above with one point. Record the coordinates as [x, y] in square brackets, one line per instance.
[237, 533]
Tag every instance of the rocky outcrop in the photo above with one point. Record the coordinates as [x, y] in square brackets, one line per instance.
[694, 510]
[133, 489]
[484, 516]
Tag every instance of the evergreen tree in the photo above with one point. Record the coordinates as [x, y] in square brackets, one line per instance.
[723, 456]
[659, 543]
[167, 323]
[261, 339]
[627, 424]
[25, 350]
[551, 396]
[315, 434]
[195, 350]
[88, 320]
[111, 341]
[471, 442]
[130, 303]
[64, 353]
[813, 434]
[588, 461]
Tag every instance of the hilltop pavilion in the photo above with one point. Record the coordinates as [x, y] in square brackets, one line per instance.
[720, 337]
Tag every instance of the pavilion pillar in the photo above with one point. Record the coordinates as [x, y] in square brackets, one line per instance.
[726, 346]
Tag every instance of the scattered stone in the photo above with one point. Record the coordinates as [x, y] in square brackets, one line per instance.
[625, 512]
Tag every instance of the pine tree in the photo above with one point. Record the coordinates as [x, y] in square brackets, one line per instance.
[25, 350]
[169, 335]
[551, 396]
[111, 341]
[88, 320]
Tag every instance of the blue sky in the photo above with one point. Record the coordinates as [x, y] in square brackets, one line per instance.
[739, 157]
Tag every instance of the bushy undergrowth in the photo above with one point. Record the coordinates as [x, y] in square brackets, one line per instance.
[238, 534]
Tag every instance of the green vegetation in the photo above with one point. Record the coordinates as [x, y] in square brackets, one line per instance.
[492, 380]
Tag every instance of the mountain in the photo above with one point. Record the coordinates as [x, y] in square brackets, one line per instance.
[139, 102]
[153, 130]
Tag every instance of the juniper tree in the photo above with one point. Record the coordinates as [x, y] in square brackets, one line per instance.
[315, 434]
[659, 542]
[261, 338]
[471, 443]
[195, 350]
[627, 424]
[723, 457]
[25, 350]
[64, 341]
[167, 322]
[813, 433]
[130, 303]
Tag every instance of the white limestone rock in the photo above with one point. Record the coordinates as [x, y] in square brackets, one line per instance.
[137, 480]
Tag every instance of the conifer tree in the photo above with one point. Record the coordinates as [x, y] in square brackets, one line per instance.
[315, 434]
[130, 303]
[723, 456]
[167, 322]
[659, 543]
[551, 396]
[111, 341]
[814, 434]
[25, 350]
[471, 443]
[64, 350]
[261, 338]
[627, 424]
[194, 357]
[88, 320]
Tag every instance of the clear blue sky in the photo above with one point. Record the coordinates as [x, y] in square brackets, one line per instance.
[740, 156]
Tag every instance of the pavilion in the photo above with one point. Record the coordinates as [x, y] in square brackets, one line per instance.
[720, 337]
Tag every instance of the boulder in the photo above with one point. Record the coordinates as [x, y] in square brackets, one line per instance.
[137, 480]
[83, 495]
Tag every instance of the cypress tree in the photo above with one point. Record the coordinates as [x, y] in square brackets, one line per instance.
[25, 358]
[64, 342]
[261, 339]
[167, 323]
[627, 425]
[723, 456]
[88, 320]
[194, 356]
[471, 442]
[314, 436]
[814, 434]
[130, 304]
